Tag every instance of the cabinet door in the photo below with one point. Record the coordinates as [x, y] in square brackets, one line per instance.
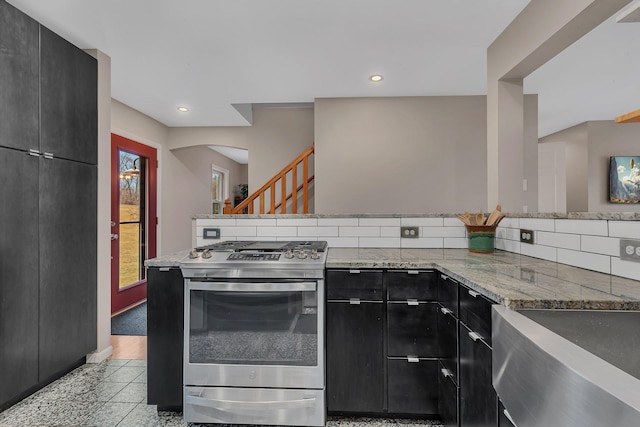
[68, 100]
[355, 357]
[165, 337]
[18, 79]
[67, 253]
[448, 293]
[478, 399]
[475, 312]
[413, 387]
[412, 329]
[448, 392]
[18, 273]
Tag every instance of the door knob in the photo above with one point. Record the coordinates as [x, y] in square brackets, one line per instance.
[114, 237]
[113, 224]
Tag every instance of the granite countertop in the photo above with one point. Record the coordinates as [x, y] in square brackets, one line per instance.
[615, 216]
[513, 280]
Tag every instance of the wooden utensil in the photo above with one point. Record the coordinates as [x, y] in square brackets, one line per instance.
[493, 217]
[480, 218]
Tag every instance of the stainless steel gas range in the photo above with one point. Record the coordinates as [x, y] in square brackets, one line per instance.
[254, 333]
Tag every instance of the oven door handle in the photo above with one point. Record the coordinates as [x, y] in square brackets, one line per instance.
[252, 286]
[248, 405]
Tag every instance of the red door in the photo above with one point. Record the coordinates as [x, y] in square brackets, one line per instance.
[133, 219]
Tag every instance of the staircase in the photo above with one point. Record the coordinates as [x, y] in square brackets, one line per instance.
[286, 192]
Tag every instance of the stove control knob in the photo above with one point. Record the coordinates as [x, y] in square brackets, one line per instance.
[193, 254]
[206, 254]
[315, 254]
[302, 254]
[289, 254]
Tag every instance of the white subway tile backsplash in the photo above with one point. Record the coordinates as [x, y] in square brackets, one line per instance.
[624, 229]
[342, 242]
[389, 231]
[452, 222]
[510, 223]
[538, 251]
[238, 232]
[277, 231]
[258, 222]
[424, 222]
[582, 226]
[379, 222]
[422, 242]
[359, 231]
[558, 240]
[628, 269]
[456, 242]
[379, 242]
[442, 232]
[215, 222]
[324, 222]
[292, 222]
[595, 262]
[600, 245]
[508, 245]
[508, 233]
[542, 224]
[317, 231]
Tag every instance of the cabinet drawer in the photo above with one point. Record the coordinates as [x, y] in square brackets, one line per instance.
[412, 284]
[413, 387]
[347, 284]
[448, 395]
[448, 293]
[412, 329]
[475, 312]
[448, 341]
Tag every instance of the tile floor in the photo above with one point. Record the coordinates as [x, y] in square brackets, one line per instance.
[113, 393]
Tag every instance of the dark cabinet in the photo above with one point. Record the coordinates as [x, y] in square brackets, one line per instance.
[355, 357]
[355, 344]
[413, 386]
[504, 419]
[18, 273]
[448, 290]
[448, 341]
[448, 398]
[420, 285]
[19, 63]
[475, 312]
[49, 207]
[68, 100]
[67, 254]
[412, 329]
[478, 399]
[165, 337]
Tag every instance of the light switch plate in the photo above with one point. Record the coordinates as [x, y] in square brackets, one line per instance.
[211, 233]
[526, 236]
[410, 232]
[630, 250]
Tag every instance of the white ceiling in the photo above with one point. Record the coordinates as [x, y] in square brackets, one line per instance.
[210, 54]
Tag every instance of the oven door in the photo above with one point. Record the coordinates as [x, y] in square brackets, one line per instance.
[254, 334]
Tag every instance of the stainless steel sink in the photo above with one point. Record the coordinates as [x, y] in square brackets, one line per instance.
[567, 367]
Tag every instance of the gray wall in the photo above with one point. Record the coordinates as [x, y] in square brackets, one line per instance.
[401, 155]
[587, 148]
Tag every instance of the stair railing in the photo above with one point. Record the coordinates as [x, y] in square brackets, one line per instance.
[268, 191]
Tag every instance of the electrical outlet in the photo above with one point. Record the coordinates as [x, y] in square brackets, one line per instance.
[410, 232]
[526, 236]
[211, 233]
[630, 250]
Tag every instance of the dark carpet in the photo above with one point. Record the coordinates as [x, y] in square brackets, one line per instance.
[131, 322]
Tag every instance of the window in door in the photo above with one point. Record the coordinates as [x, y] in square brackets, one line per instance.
[132, 214]
[219, 187]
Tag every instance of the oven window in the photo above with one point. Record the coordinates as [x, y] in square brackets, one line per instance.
[259, 328]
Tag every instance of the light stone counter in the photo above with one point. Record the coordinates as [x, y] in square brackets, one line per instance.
[614, 216]
[514, 280]
[171, 260]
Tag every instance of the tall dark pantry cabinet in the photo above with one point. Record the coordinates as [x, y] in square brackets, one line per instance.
[48, 205]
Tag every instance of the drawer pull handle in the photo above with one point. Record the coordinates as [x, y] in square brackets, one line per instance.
[474, 293]
[446, 373]
[164, 269]
[354, 301]
[354, 271]
[444, 277]
[413, 359]
[445, 310]
[474, 336]
[413, 272]
[412, 302]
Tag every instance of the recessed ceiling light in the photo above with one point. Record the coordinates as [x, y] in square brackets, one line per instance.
[376, 78]
[183, 109]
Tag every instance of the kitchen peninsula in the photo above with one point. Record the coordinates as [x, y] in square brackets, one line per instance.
[513, 280]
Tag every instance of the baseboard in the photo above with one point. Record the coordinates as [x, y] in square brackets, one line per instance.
[97, 357]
